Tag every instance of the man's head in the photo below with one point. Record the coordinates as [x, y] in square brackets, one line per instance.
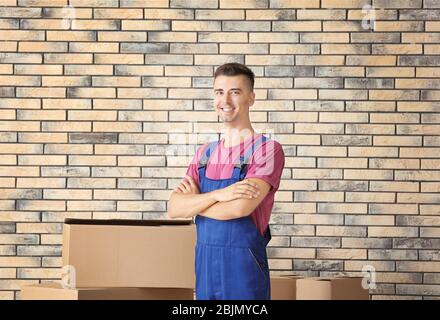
[233, 93]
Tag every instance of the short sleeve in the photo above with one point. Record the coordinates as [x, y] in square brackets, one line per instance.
[267, 163]
[192, 170]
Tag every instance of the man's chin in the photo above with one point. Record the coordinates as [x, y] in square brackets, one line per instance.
[227, 119]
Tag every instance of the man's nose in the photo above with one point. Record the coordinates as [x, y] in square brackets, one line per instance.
[225, 98]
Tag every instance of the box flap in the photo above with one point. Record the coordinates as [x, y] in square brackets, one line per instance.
[127, 222]
[115, 255]
[324, 279]
[290, 276]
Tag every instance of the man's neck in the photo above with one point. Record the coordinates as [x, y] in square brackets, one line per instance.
[235, 136]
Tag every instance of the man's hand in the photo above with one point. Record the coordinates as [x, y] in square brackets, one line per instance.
[187, 185]
[244, 189]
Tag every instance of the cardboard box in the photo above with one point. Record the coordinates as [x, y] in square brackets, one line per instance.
[130, 253]
[54, 291]
[283, 287]
[339, 288]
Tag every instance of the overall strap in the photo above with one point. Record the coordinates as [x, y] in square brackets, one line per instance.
[245, 158]
[206, 154]
[239, 168]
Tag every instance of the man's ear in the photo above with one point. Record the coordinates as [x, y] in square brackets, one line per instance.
[252, 99]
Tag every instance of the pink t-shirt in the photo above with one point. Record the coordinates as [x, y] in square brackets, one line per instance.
[266, 163]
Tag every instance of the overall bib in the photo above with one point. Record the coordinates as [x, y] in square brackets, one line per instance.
[231, 261]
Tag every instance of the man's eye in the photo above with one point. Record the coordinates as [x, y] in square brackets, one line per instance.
[219, 93]
[235, 92]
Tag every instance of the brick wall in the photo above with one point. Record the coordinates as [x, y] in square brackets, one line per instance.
[103, 102]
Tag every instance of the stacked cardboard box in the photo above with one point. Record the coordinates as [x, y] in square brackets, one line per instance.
[294, 287]
[112, 259]
[129, 259]
[55, 291]
[283, 287]
[326, 288]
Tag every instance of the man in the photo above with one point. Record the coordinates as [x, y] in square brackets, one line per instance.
[229, 188]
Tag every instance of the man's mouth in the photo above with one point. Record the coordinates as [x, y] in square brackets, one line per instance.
[227, 109]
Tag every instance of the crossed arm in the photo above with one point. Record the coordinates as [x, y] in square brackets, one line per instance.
[236, 201]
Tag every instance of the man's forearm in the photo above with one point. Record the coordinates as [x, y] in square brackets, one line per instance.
[224, 210]
[187, 205]
[237, 208]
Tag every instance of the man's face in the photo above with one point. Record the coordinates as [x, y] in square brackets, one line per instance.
[232, 98]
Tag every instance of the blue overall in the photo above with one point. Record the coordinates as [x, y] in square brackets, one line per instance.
[231, 261]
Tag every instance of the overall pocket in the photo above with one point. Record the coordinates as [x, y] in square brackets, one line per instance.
[258, 263]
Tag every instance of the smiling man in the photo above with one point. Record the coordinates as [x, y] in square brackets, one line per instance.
[230, 187]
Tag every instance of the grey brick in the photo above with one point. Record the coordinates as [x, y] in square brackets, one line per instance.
[369, 83]
[375, 37]
[19, 239]
[286, 15]
[205, 105]
[39, 250]
[428, 95]
[291, 230]
[245, 26]
[416, 243]
[431, 278]
[315, 242]
[6, 227]
[256, 4]
[428, 14]
[392, 254]
[28, 194]
[191, 4]
[319, 83]
[124, 3]
[383, 288]
[174, 150]
[397, 4]
[280, 218]
[419, 60]
[431, 4]
[15, 12]
[318, 265]
[12, 23]
[8, 250]
[417, 289]
[202, 83]
[433, 221]
[51, 262]
[66, 171]
[342, 185]
[154, 216]
[144, 47]
[93, 137]
[275, 71]
[287, 173]
[339, 140]
[366, 243]
[430, 118]
[430, 255]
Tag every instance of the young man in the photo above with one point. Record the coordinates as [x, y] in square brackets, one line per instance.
[230, 187]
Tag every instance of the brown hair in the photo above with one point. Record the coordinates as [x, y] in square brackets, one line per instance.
[235, 69]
